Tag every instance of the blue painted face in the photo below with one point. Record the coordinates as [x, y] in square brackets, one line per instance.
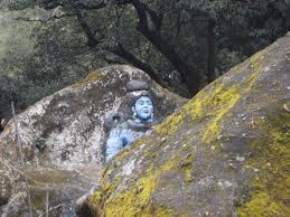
[143, 108]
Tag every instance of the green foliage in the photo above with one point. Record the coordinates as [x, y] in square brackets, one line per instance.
[17, 4]
[241, 28]
[209, 36]
[30, 92]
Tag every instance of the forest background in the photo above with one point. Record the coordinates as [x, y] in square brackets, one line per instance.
[181, 44]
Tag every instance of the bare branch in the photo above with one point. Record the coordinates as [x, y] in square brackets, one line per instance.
[28, 196]
[47, 202]
[92, 41]
[17, 135]
[52, 208]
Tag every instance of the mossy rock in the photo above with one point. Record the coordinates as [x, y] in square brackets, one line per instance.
[67, 129]
[224, 153]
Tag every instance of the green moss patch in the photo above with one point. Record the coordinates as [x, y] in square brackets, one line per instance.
[135, 201]
[271, 185]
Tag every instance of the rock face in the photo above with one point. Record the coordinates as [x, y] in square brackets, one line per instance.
[24, 40]
[66, 129]
[58, 150]
[41, 50]
[225, 153]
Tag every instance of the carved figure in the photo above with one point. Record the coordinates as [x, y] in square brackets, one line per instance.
[124, 134]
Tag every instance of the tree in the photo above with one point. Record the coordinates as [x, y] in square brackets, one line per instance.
[186, 37]
[152, 23]
[182, 44]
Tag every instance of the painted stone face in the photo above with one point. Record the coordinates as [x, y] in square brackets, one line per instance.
[143, 108]
[124, 134]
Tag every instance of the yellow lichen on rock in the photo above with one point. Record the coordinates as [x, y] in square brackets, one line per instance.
[262, 205]
[186, 167]
[170, 125]
[137, 201]
[223, 101]
[271, 185]
[93, 76]
[96, 198]
[216, 102]
[133, 201]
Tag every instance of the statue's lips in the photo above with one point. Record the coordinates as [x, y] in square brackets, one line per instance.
[146, 111]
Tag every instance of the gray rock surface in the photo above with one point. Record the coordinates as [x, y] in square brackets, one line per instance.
[60, 140]
[225, 153]
[66, 129]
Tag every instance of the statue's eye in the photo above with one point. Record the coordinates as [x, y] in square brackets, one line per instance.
[148, 102]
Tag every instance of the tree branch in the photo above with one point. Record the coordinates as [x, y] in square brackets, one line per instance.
[92, 41]
[149, 24]
[190, 78]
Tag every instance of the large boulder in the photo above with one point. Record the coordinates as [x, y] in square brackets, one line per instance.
[54, 148]
[66, 129]
[225, 153]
